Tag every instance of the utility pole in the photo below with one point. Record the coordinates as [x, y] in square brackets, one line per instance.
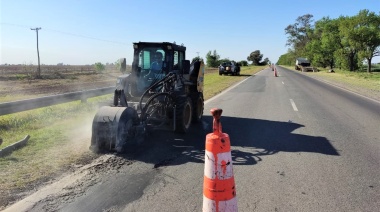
[198, 54]
[38, 52]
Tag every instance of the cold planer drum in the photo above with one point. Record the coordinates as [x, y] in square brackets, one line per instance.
[112, 127]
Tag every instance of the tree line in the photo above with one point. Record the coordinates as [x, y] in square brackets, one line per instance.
[213, 59]
[345, 42]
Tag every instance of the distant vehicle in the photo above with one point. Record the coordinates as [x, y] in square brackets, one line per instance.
[230, 67]
[303, 64]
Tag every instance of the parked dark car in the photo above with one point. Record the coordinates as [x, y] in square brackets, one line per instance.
[231, 67]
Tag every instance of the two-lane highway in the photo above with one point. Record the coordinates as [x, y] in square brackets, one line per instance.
[317, 147]
[298, 144]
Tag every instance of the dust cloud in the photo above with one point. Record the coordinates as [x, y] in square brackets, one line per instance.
[79, 138]
[75, 152]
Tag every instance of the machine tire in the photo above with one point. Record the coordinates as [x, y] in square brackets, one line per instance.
[184, 110]
[198, 107]
[162, 109]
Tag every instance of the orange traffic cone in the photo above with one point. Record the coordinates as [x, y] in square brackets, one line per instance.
[219, 192]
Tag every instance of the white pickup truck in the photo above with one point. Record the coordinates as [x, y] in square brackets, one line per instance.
[303, 64]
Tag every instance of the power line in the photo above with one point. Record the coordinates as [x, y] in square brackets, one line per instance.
[87, 37]
[67, 33]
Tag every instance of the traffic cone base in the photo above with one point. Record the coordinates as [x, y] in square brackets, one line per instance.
[211, 205]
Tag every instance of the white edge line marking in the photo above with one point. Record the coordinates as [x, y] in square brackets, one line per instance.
[329, 83]
[353, 92]
[216, 96]
[293, 105]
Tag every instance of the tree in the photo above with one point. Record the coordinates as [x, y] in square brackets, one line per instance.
[212, 59]
[324, 42]
[243, 63]
[223, 61]
[121, 65]
[266, 62]
[255, 57]
[349, 47]
[344, 42]
[117, 64]
[197, 58]
[367, 34]
[287, 59]
[298, 33]
[99, 67]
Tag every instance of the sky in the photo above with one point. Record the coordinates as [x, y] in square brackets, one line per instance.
[81, 32]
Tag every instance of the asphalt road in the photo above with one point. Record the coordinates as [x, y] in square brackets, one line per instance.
[297, 145]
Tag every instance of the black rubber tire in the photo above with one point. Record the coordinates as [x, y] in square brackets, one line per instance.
[198, 107]
[184, 110]
[165, 103]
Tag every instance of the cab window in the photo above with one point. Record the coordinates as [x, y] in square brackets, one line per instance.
[176, 60]
[178, 57]
[146, 57]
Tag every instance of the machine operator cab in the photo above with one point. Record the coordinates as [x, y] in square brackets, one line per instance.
[153, 61]
[151, 67]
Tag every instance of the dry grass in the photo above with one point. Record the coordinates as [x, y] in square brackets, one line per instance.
[59, 140]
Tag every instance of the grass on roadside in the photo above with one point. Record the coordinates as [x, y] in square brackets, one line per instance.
[353, 79]
[55, 143]
[215, 84]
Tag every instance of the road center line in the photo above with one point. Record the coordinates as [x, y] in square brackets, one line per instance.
[283, 83]
[293, 105]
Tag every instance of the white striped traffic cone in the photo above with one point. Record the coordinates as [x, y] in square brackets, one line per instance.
[219, 192]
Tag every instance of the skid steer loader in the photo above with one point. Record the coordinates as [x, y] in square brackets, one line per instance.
[162, 92]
